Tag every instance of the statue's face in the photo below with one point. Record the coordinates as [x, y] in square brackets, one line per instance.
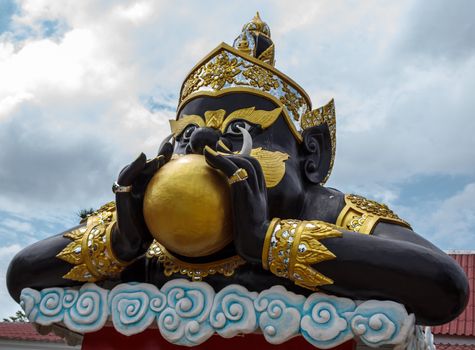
[206, 120]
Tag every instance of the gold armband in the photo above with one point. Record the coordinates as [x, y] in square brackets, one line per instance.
[362, 215]
[292, 247]
[90, 250]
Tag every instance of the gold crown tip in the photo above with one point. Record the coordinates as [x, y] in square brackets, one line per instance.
[257, 18]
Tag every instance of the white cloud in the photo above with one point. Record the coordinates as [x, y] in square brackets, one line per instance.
[9, 251]
[451, 222]
[17, 225]
[135, 13]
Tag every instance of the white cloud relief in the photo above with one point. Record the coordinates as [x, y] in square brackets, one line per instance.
[75, 104]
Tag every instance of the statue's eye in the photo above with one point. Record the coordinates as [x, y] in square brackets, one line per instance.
[186, 135]
[233, 129]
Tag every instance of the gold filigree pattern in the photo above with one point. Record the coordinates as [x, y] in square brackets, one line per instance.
[293, 247]
[259, 77]
[362, 215]
[196, 272]
[320, 116]
[220, 71]
[228, 68]
[356, 222]
[90, 250]
[293, 101]
[193, 83]
[308, 251]
[372, 207]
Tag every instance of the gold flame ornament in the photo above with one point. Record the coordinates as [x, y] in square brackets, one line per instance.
[272, 164]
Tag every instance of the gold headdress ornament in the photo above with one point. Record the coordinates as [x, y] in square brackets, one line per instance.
[248, 66]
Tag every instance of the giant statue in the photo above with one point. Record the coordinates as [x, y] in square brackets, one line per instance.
[237, 195]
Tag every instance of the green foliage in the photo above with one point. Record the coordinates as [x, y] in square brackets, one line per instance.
[19, 317]
[84, 213]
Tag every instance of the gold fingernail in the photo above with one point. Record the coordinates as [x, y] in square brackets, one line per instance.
[211, 151]
[221, 143]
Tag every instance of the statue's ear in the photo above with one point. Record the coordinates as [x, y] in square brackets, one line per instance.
[317, 151]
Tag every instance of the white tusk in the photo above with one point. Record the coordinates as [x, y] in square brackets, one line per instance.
[246, 142]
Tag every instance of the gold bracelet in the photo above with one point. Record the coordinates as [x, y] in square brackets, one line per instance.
[362, 215]
[291, 247]
[90, 250]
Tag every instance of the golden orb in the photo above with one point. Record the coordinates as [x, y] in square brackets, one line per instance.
[187, 207]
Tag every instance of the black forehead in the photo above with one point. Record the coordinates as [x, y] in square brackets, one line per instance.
[228, 102]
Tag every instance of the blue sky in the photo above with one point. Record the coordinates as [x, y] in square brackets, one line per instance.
[87, 85]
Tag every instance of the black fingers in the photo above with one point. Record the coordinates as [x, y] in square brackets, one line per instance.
[150, 168]
[230, 163]
[245, 164]
[130, 172]
[259, 174]
[166, 151]
[220, 162]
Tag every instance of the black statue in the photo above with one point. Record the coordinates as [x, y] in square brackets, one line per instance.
[346, 245]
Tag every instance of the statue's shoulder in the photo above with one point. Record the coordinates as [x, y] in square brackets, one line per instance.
[361, 215]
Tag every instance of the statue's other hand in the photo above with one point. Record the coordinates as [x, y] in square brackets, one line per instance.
[131, 237]
[140, 171]
[248, 201]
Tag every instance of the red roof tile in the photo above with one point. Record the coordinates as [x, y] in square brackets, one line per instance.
[455, 347]
[25, 331]
[463, 325]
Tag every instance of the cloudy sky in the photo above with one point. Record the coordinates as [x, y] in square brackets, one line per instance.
[87, 85]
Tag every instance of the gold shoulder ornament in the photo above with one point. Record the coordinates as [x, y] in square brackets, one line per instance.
[90, 250]
[293, 247]
[361, 215]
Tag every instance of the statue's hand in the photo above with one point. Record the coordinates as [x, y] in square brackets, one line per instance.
[131, 237]
[248, 202]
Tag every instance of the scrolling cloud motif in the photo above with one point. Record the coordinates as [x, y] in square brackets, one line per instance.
[185, 320]
[135, 306]
[280, 313]
[376, 328]
[29, 300]
[51, 306]
[324, 324]
[233, 311]
[89, 311]
[188, 313]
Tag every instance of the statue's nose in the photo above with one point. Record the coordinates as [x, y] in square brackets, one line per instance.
[203, 137]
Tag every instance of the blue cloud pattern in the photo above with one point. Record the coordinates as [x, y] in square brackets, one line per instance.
[188, 313]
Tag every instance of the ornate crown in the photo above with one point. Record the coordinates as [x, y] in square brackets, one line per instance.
[248, 66]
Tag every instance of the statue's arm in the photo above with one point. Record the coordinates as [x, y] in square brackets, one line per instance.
[100, 248]
[81, 254]
[392, 263]
[37, 266]
[385, 266]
